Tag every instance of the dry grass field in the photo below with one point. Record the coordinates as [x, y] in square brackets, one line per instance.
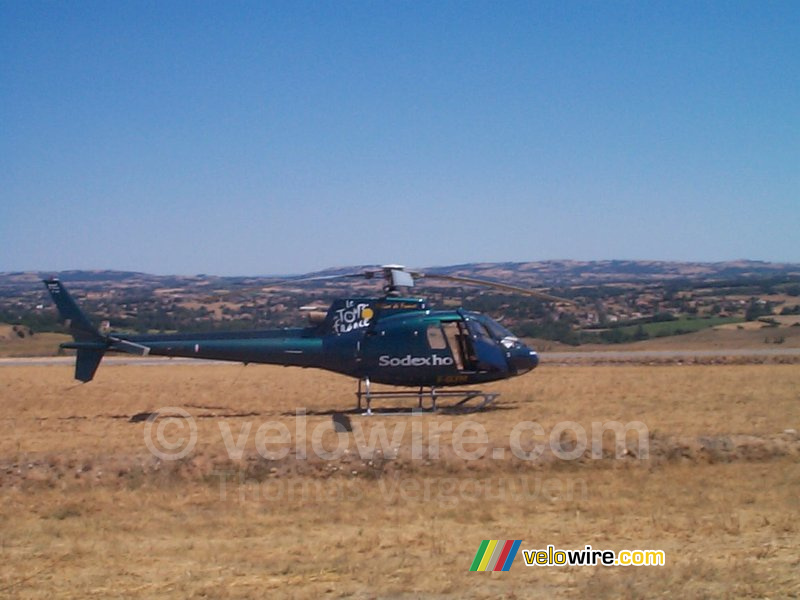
[89, 512]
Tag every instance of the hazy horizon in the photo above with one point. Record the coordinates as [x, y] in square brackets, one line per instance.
[44, 272]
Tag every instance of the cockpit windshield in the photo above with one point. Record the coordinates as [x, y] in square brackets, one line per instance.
[497, 331]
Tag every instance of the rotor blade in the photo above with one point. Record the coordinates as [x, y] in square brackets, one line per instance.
[495, 284]
[291, 280]
[366, 275]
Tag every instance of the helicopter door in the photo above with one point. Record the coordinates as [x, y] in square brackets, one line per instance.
[460, 343]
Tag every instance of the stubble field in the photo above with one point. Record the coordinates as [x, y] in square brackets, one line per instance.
[270, 502]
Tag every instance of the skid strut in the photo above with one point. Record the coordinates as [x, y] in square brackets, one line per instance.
[433, 393]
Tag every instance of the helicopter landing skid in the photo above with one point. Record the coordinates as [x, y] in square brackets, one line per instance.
[432, 394]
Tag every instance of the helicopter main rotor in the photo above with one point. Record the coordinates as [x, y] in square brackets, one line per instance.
[397, 277]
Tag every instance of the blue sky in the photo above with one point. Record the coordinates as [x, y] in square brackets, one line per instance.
[281, 137]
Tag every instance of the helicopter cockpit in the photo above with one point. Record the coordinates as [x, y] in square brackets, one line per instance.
[477, 343]
[498, 347]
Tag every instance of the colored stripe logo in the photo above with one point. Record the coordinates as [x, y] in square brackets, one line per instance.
[495, 555]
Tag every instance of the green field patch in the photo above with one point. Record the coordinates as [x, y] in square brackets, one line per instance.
[685, 324]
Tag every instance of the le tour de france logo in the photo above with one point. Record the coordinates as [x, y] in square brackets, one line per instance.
[353, 316]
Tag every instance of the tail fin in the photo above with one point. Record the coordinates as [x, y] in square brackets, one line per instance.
[88, 341]
[86, 363]
[78, 324]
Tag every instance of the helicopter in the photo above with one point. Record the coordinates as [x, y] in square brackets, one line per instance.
[394, 339]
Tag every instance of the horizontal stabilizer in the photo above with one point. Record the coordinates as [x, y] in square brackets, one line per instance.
[129, 347]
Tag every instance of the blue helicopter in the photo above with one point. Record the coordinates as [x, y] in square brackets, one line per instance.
[394, 339]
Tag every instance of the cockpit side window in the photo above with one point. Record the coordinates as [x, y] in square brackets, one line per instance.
[478, 329]
[498, 331]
